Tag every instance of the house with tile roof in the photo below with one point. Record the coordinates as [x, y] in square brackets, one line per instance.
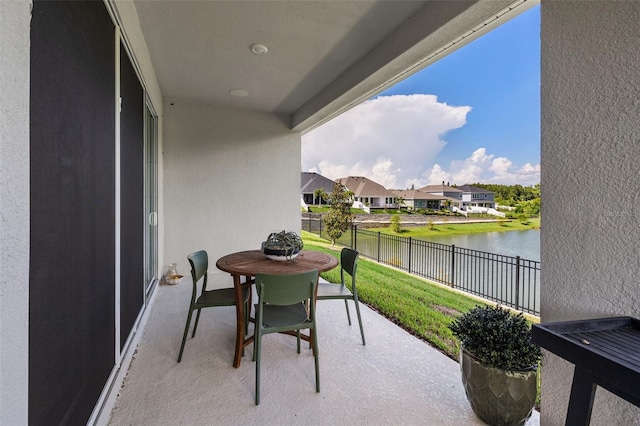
[369, 193]
[474, 196]
[415, 199]
[452, 194]
[446, 190]
[310, 182]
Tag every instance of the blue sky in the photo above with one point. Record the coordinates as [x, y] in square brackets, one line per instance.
[473, 116]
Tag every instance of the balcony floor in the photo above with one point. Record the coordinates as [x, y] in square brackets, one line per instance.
[394, 379]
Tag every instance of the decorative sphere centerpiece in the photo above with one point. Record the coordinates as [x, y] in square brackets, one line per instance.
[283, 245]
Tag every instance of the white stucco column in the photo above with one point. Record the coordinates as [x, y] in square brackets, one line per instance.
[15, 17]
[590, 237]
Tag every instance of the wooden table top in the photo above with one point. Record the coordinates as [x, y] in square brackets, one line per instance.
[251, 262]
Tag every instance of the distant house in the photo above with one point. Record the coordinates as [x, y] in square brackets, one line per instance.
[309, 183]
[414, 199]
[454, 195]
[477, 197]
[369, 193]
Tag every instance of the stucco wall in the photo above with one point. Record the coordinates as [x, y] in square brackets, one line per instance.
[15, 17]
[590, 180]
[230, 178]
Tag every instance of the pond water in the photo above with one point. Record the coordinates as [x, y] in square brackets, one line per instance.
[525, 244]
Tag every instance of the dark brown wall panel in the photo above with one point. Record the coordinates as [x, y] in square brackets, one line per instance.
[72, 259]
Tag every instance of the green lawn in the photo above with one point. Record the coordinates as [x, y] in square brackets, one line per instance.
[422, 308]
[423, 232]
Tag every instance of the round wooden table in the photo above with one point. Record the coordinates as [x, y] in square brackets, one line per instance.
[251, 262]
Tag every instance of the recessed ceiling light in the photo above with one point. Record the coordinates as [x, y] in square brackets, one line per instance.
[259, 49]
[239, 93]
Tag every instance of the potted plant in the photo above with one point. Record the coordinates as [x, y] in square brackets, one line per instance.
[282, 245]
[498, 362]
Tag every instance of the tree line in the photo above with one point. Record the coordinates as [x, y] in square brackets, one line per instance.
[526, 199]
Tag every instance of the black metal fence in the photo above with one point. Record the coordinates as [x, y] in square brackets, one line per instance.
[510, 281]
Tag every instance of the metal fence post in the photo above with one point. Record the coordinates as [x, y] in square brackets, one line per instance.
[351, 238]
[518, 282]
[378, 246]
[453, 266]
[354, 237]
[410, 244]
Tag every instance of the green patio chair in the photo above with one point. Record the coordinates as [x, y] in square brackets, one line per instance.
[329, 291]
[199, 261]
[282, 306]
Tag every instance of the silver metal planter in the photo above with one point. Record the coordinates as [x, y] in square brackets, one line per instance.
[497, 397]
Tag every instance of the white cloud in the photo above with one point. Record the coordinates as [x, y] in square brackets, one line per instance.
[500, 165]
[437, 175]
[390, 139]
[484, 168]
[395, 141]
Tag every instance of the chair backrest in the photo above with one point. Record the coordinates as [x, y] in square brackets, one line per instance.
[348, 263]
[199, 261]
[287, 289]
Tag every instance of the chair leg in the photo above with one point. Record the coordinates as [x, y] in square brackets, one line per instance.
[255, 337]
[346, 305]
[247, 307]
[298, 338]
[312, 332]
[247, 315]
[359, 319]
[184, 336]
[195, 326]
[257, 343]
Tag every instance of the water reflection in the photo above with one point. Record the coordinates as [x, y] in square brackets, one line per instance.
[525, 244]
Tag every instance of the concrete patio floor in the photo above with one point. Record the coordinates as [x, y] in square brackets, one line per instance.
[396, 379]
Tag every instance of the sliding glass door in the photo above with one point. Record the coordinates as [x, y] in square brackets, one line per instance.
[151, 199]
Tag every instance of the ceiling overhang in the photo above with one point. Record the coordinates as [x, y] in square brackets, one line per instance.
[323, 58]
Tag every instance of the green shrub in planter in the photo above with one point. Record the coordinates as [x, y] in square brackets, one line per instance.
[498, 364]
[497, 337]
